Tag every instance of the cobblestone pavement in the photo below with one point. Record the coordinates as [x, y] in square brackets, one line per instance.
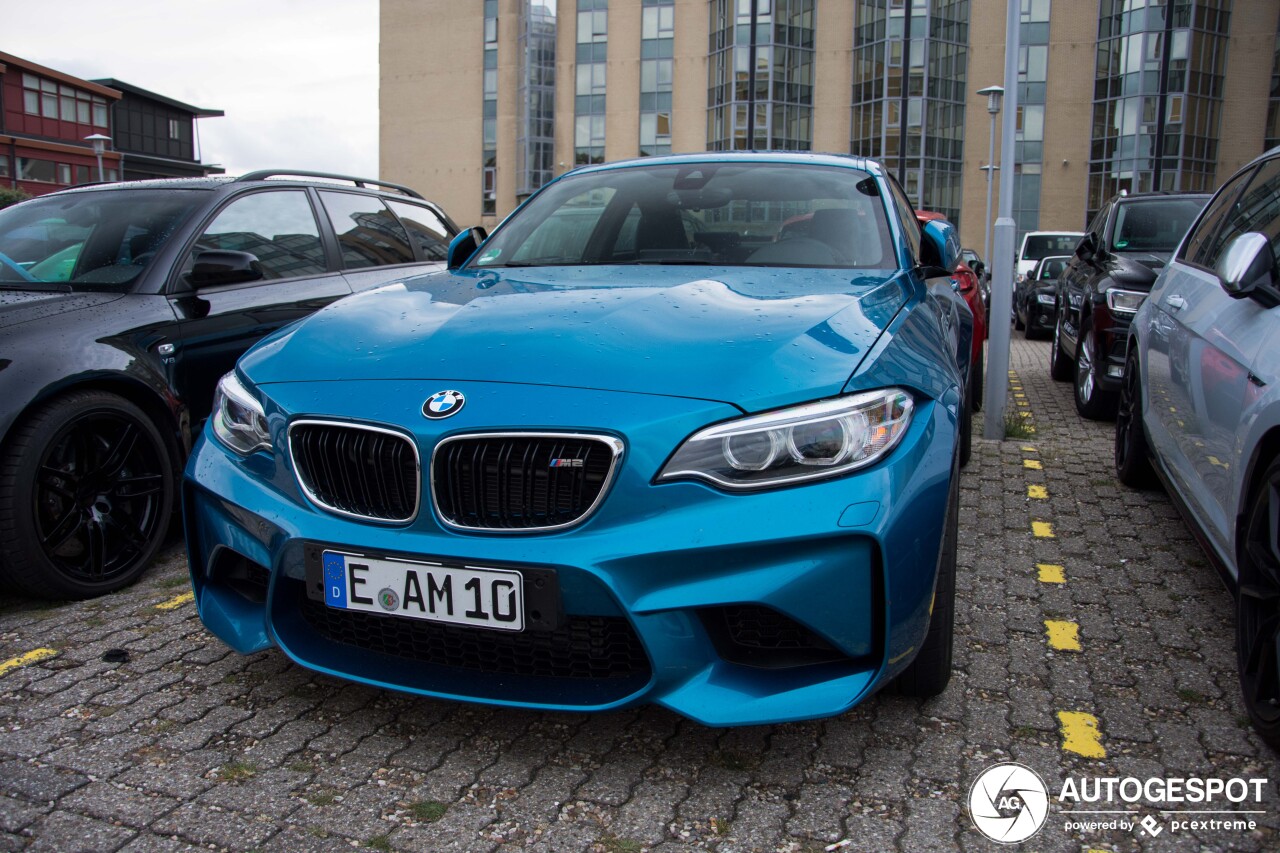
[186, 743]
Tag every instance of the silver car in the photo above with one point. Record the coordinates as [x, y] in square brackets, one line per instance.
[1200, 408]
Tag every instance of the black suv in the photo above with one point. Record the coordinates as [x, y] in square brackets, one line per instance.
[1126, 245]
[121, 305]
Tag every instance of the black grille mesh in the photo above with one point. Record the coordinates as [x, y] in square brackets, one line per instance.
[592, 647]
[519, 482]
[356, 470]
[762, 628]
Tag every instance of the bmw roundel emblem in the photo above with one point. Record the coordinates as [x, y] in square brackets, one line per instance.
[443, 404]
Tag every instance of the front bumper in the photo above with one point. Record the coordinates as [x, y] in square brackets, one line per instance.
[848, 564]
[1111, 331]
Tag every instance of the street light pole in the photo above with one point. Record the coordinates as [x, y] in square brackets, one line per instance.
[997, 385]
[994, 94]
[99, 143]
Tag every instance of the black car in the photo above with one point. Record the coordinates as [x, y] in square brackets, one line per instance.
[1128, 242]
[121, 305]
[1035, 297]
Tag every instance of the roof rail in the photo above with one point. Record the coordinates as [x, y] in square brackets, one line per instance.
[263, 174]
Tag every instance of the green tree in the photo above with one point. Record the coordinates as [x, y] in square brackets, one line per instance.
[11, 196]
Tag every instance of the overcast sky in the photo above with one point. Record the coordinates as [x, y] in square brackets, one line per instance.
[297, 79]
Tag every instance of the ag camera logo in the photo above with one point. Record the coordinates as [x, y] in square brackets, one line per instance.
[1009, 802]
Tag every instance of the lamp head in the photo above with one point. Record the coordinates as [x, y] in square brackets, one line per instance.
[994, 95]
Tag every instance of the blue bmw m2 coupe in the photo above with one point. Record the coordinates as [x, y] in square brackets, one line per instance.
[684, 430]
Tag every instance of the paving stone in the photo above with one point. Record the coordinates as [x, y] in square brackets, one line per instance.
[62, 832]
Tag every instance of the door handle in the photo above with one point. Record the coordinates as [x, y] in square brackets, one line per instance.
[1176, 302]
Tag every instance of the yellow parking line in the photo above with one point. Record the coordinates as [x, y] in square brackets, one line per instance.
[177, 601]
[1050, 573]
[1026, 448]
[1080, 734]
[1063, 636]
[33, 656]
[1033, 464]
[1042, 530]
[1029, 428]
[1024, 414]
[1039, 493]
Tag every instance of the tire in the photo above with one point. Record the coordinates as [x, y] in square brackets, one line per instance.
[1258, 609]
[977, 380]
[1091, 401]
[966, 428]
[930, 672]
[1132, 454]
[1060, 367]
[1017, 321]
[87, 489]
[1028, 332]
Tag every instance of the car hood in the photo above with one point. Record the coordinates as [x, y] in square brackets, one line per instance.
[1137, 268]
[744, 335]
[22, 306]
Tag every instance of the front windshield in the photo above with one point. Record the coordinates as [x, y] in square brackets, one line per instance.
[1043, 245]
[1153, 226]
[100, 240]
[1051, 268]
[748, 214]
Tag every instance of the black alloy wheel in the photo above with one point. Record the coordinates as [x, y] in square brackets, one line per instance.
[1132, 456]
[1258, 609]
[86, 493]
[1059, 364]
[1091, 401]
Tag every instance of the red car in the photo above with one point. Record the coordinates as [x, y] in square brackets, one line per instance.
[972, 294]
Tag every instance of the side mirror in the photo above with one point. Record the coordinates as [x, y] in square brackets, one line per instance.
[1245, 269]
[462, 247]
[979, 269]
[216, 267]
[1087, 248]
[940, 246]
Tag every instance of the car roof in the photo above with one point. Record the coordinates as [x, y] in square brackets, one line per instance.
[1158, 194]
[845, 161]
[259, 178]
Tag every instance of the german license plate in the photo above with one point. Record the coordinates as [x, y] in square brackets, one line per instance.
[459, 595]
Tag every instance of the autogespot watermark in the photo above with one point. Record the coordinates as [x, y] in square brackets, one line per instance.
[1010, 803]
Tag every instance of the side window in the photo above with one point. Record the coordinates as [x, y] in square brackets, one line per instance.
[1199, 243]
[908, 216]
[1257, 209]
[368, 234]
[278, 227]
[426, 229]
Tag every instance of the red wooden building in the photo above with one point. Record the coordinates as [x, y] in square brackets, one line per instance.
[45, 116]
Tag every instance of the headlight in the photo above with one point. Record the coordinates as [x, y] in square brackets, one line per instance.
[1124, 301]
[807, 442]
[238, 419]
[1045, 298]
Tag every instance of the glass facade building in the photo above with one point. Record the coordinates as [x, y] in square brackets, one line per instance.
[760, 75]
[1157, 96]
[657, 47]
[489, 188]
[1033, 76]
[1272, 133]
[591, 75]
[909, 89]
[536, 97]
